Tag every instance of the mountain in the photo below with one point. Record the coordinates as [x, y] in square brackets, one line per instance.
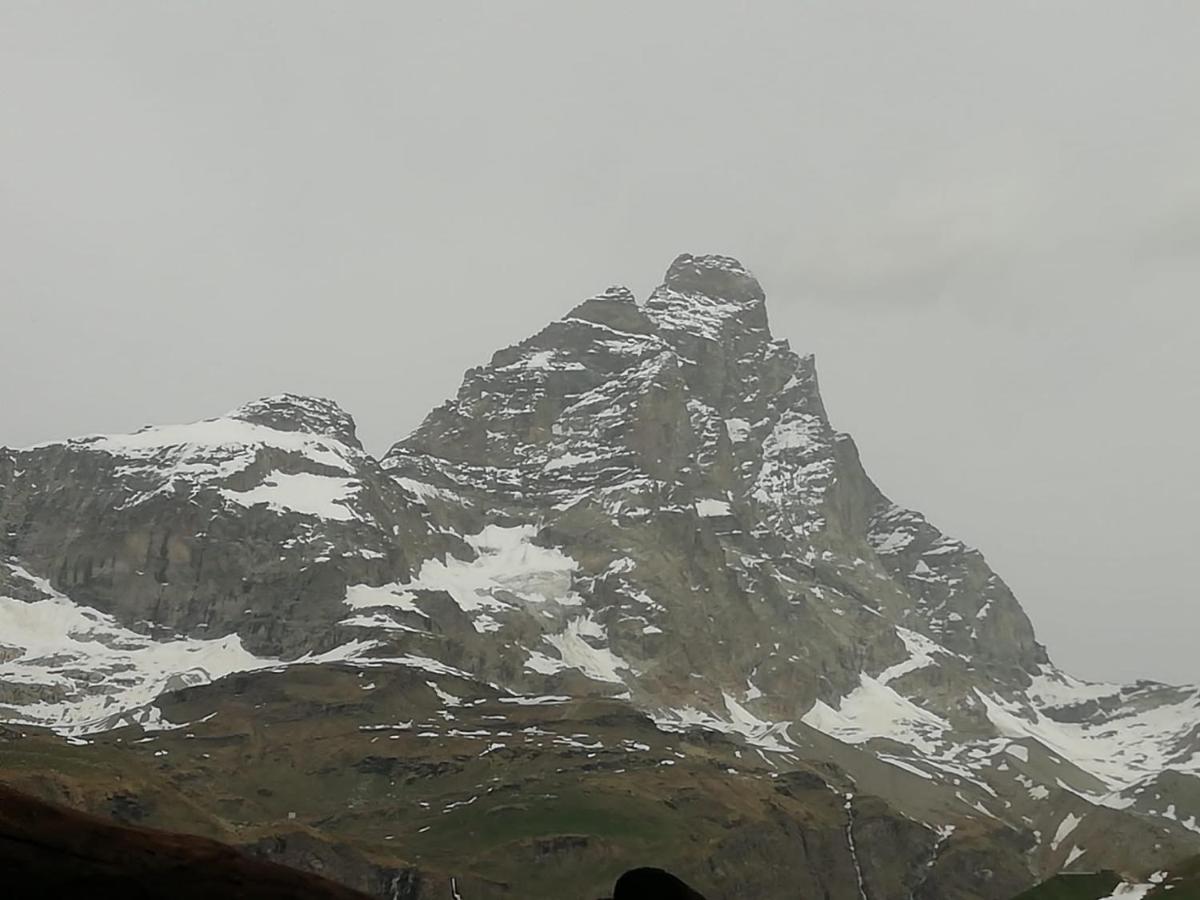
[629, 589]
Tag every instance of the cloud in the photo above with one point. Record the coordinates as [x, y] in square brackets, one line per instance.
[1003, 229]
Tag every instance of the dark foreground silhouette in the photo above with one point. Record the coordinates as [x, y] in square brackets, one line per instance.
[652, 884]
[49, 851]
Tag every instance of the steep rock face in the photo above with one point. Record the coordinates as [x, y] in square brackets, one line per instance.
[956, 597]
[684, 458]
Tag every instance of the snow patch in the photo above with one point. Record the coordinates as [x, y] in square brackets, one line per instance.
[737, 429]
[873, 710]
[323, 496]
[1065, 827]
[508, 565]
[707, 507]
[759, 733]
[598, 663]
[921, 651]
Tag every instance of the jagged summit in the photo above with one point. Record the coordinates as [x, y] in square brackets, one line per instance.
[294, 412]
[713, 298]
[616, 293]
[714, 276]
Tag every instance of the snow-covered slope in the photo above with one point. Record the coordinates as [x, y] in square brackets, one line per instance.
[77, 670]
[169, 460]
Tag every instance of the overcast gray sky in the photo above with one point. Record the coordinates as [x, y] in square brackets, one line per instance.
[983, 218]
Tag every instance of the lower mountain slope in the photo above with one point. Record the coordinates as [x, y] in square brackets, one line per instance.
[396, 776]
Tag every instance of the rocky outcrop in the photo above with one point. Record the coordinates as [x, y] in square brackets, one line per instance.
[251, 524]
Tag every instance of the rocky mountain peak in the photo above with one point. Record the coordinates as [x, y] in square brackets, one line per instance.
[711, 298]
[293, 412]
[713, 276]
[616, 293]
